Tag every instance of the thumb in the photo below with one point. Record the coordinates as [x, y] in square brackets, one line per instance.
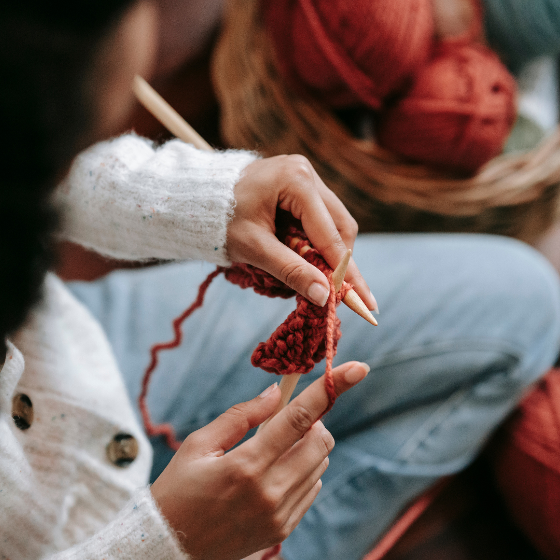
[230, 427]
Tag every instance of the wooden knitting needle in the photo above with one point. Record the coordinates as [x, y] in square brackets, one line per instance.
[351, 299]
[156, 105]
[288, 382]
[340, 271]
[166, 115]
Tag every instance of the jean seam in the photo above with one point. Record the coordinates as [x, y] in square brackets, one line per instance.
[432, 424]
[505, 348]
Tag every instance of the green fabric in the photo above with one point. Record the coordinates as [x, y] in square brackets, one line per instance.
[525, 135]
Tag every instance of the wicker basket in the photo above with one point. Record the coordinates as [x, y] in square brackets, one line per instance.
[515, 195]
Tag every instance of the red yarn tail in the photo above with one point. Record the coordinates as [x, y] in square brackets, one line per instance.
[167, 430]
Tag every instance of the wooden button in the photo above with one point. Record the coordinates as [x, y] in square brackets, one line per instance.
[122, 450]
[22, 411]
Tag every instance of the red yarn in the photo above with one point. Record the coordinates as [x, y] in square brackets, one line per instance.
[527, 463]
[350, 53]
[299, 342]
[458, 113]
[456, 103]
[166, 430]
[306, 336]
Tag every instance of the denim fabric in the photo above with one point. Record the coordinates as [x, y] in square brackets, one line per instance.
[467, 323]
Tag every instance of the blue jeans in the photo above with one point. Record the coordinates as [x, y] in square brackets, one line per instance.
[467, 323]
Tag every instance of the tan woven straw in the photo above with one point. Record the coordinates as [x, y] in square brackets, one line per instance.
[516, 195]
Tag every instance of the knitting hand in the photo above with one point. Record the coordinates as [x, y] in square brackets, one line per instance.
[291, 184]
[224, 506]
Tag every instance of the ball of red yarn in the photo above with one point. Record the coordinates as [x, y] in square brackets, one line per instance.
[349, 53]
[459, 112]
[527, 465]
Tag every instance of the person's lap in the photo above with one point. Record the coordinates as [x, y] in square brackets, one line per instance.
[466, 324]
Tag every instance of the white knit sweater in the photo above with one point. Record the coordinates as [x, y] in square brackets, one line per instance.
[61, 497]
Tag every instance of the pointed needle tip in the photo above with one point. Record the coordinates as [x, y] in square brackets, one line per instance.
[355, 303]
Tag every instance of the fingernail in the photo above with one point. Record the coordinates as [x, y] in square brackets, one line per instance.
[356, 373]
[318, 294]
[268, 390]
[375, 306]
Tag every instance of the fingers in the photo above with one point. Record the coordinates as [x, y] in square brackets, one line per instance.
[291, 184]
[344, 222]
[279, 260]
[328, 224]
[287, 427]
[231, 426]
[309, 459]
[301, 508]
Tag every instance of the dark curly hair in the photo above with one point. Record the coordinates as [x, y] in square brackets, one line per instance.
[46, 108]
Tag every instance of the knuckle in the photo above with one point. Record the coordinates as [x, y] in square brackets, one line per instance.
[194, 440]
[270, 500]
[245, 471]
[299, 417]
[237, 415]
[294, 274]
[328, 440]
[351, 227]
[323, 438]
[299, 169]
[284, 532]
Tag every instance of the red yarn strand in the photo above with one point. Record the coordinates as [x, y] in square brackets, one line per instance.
[330, 352]
[166, 429]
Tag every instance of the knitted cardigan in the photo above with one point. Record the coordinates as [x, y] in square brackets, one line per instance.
[61, 497]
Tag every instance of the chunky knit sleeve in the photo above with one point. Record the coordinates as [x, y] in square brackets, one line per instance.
[129, 200]
[138, 533]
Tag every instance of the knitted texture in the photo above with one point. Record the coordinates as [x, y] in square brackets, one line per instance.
[458, 113]
[308, 335]
[527, 464]
[139, 532]
[300, 341]
[129, 200]
[59, 491]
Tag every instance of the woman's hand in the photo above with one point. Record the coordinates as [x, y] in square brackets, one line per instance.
[225, 506]
[290, 183]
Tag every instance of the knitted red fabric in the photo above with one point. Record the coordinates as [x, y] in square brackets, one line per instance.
[299, 342]
[308, 334]
[458, 113]
[527, 464]
[349, 53]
